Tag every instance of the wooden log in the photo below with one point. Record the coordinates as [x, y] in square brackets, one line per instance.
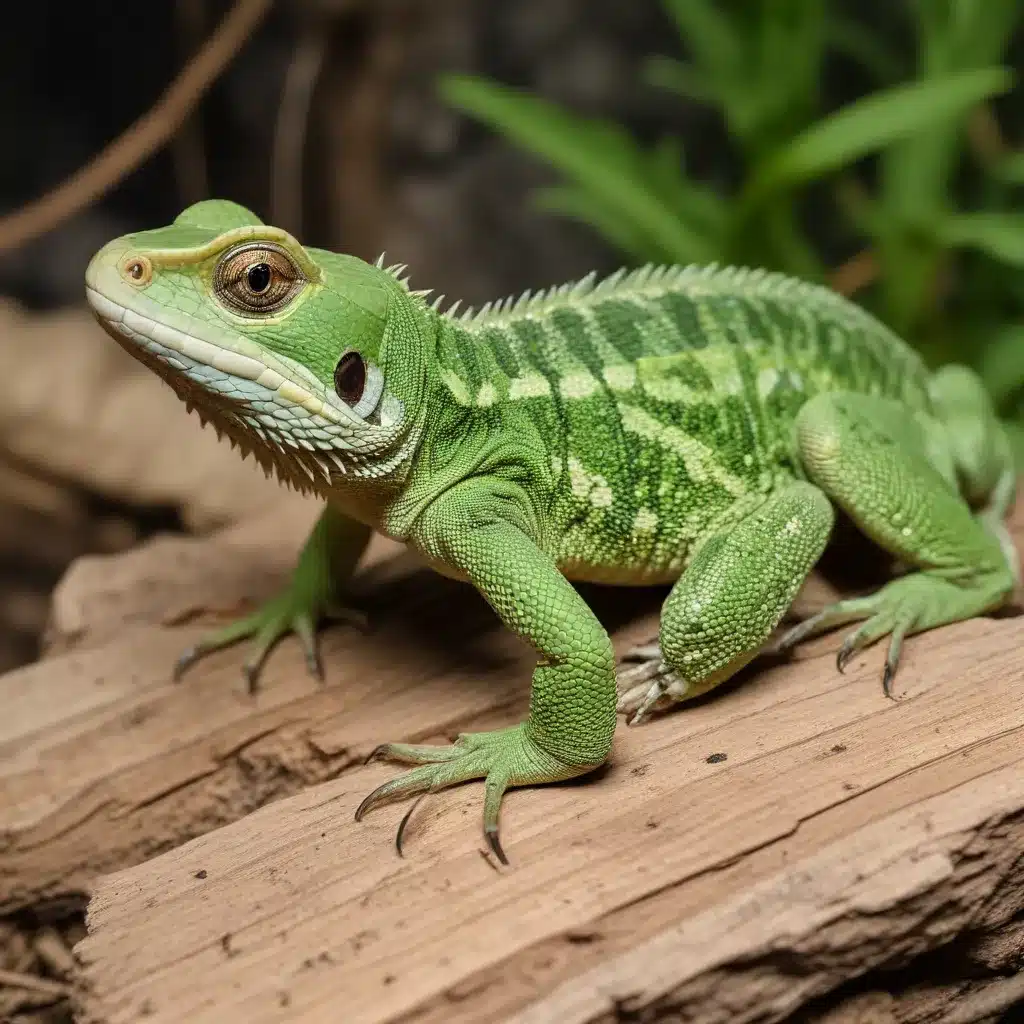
[840, 832]
[105, 762]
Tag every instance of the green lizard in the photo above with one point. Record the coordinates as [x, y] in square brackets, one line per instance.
[672, 424]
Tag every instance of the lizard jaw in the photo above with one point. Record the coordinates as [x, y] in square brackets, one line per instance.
[260, 410]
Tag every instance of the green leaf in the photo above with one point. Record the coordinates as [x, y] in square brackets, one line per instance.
[999, 235]
[598, 156]
[1010, 169]
[1002, 364]
[709, 36]
[696, 204]
[876, 121]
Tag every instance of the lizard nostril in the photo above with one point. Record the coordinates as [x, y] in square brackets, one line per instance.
[137, 269]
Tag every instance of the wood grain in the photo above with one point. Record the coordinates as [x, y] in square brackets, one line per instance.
[841, 831]
[916, 819]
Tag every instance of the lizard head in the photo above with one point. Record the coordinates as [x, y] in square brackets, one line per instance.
[310, 360]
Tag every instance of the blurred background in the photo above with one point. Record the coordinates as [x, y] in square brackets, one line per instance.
[492, 145]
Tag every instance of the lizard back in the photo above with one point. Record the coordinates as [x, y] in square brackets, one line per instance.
[665, 398]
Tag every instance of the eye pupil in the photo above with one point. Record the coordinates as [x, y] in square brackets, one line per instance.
[350, 377]
[258, 277]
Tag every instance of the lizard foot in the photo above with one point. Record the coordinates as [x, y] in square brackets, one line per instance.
[907, 605]
[502, 758]
[651, 685]
[293, 611]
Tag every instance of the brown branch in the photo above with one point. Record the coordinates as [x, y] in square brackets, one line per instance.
[145, 137]
[855, 274]
[188, 149]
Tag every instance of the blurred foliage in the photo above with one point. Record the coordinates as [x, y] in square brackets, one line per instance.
[910, 187]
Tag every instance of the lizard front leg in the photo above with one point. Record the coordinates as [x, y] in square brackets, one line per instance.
[729, 599]
[483, 529]
[314, 593]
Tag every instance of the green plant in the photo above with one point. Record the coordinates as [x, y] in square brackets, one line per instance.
[933, 211]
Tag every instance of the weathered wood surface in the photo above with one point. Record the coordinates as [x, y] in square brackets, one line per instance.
[842, 832]
[103, 763]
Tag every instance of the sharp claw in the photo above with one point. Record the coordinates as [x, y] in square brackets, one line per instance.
[654, 694]
[251, 674]
[182, 665]
[846, 652]
[305, 629]
[367, 803]
[887, 677]
[314, 665]
[494, 842]
[405, 821]
[892, 659]
[377, 753]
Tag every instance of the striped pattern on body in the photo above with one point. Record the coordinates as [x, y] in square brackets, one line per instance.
[665, 396]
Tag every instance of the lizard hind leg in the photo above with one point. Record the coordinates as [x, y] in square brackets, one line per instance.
[979, 449]
[729, 599]
[889, 469]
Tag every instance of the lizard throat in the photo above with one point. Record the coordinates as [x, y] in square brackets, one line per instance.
[307, 440]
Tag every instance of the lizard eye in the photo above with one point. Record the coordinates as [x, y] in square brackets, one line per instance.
[257, 279]
[350, 378]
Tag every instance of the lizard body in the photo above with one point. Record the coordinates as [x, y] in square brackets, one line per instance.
[662, 399]
[695, 425]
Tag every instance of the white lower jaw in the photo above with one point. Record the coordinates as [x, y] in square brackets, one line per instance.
[244, 363]
[301, 447]
[306, 441]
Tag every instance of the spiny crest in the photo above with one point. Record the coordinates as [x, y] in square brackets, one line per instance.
[397, 271]
[653, 279]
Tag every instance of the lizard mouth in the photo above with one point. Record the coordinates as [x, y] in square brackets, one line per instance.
[305, 439]
[243, 373]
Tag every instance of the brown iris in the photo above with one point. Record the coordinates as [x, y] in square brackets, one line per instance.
[257, 279]
[350, 378]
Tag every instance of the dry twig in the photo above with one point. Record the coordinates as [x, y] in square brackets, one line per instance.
[147, 135]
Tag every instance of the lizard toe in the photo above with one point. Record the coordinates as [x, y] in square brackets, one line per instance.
[502, 758]
[652, 685]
